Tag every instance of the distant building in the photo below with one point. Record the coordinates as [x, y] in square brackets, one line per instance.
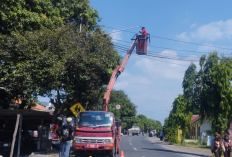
[196, 128]
[47, 105]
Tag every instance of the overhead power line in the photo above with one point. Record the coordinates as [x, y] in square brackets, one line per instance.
[119, 30]
[176, 40]
[153, 58]
[166, 48]
[165, 56]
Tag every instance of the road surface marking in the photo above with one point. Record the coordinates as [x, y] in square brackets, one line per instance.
[130, 144]
[135, 148]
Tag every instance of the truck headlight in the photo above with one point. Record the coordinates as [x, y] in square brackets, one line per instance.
[6, 145]
[108, 141]
[78, 140]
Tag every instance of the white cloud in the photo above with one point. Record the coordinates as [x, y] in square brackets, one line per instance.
[162, 68]
[153, 85]
[193, 25]
[132, 79]
[211, 31]
[183, 36]
[115, 34]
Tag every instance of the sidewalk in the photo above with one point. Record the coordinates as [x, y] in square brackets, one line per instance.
[197, 151]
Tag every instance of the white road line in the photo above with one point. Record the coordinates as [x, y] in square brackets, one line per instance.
[135, 148]
[130, 144]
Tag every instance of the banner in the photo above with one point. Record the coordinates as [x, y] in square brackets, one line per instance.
[52, 132]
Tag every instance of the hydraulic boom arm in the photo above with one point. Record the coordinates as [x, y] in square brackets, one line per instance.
[116, 73]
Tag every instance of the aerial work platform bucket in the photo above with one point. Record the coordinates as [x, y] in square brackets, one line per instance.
[141, 46]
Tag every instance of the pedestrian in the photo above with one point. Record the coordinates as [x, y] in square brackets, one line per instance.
[65, 136]
[144, 31]
[161, 135]
[217, 145]
[227, 144]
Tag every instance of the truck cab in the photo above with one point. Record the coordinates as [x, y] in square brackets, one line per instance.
[96, 132]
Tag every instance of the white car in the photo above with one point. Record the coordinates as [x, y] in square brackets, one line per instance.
[121, 134]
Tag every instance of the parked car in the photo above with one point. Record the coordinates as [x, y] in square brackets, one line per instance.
[28, 142]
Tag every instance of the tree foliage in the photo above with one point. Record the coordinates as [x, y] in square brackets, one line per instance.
[207, 92]
[21, 15]
[127, 112]
[179, 118]
[29, 15]
[170, 131]
[71, 11]
[147, 124]
[189, 85]
[43, 53]
[216, 94]
[57, 63]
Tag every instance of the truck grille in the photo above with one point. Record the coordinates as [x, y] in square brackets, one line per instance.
[93, 141]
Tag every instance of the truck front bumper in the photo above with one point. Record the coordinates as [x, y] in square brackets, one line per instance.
[87, 146]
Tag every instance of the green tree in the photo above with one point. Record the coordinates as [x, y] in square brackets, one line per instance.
[27, 15]
[127, 112]
[142, 122]
[71, 11]
[147, 124]
[179, 118]
[170, 130]
[57, 63]
[199, 84]
[216, 94]
[188, 86]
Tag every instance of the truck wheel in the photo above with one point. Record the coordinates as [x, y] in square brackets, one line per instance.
[78, 153]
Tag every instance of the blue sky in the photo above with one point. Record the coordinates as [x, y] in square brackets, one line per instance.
[151, 83]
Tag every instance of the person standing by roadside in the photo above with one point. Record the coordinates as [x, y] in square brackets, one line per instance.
[161, 135]
[65, 136]
[227, 144]
[217, 145]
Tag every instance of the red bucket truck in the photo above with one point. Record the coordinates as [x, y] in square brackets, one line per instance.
[97, 132]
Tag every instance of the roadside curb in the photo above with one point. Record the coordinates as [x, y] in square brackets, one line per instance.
[166, 145]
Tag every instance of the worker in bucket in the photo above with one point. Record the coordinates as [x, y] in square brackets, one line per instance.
[65, 133]
[143, 31]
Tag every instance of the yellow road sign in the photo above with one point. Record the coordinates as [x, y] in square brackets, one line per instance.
[76, 108]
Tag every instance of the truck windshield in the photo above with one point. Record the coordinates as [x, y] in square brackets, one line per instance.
[94, 119]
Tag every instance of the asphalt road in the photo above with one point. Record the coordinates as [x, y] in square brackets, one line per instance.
[142, 146]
